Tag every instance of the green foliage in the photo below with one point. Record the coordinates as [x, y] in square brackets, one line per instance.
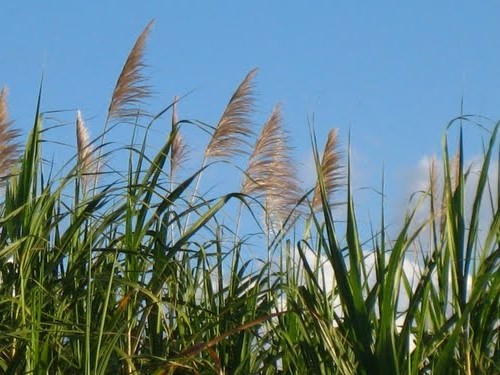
[139, 274]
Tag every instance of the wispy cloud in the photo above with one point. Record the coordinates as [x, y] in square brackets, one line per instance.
[430, 165]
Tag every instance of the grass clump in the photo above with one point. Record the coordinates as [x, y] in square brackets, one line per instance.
[131, 270]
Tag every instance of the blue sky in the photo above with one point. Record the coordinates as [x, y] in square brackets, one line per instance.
[393, 74]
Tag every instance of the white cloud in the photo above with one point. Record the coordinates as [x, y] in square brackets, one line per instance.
[417, 186]
[410, 268]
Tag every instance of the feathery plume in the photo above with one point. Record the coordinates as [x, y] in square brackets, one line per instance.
[433, 179]
[438, 207]
[331, 168]
[453, 172]
[175, 119]
[8, 149]
[179, 151]
[130, 88]
[455, 168]
[86, 162]
[234, 126]
[257, 177]
[271, 172]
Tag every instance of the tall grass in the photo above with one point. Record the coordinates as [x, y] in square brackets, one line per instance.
[133, 271]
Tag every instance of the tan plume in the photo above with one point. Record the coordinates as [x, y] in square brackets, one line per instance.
[433, 179]
[257, 177]
[455, 168]
[437, 207]
[130, 88]
[331, 169]
[271, 172]
[86, 163]
[8, 148]
[234, 127]
[179, 150]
